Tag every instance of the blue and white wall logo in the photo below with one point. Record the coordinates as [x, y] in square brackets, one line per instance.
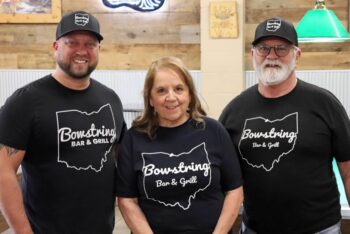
[138, 5]
[264, 142]
[85, 139]
[175, 179]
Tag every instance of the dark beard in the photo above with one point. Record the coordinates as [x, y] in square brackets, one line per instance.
[66, 68]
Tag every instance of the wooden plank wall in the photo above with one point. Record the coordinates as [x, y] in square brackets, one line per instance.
[315, 56]
[132, 39]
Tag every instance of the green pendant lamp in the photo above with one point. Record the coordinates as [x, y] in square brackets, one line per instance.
[321, 25]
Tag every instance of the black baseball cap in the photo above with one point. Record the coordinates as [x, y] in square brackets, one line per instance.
[78, 21]
[276, 27]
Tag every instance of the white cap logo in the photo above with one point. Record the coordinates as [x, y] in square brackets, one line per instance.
[81, 19]
[273, 25]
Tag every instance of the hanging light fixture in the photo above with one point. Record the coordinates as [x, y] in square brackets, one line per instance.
[321, 25]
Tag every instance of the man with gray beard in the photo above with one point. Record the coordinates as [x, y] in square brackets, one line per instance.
[289, 185]
[63, 129]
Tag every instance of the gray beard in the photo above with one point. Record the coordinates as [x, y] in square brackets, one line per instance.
[273, 76]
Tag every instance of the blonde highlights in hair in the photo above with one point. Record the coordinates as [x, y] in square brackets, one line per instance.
[148, 121]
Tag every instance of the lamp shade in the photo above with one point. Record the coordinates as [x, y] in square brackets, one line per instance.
[321, 25]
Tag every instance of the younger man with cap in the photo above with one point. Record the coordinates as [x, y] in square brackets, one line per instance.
[63, 129]
[287, 133]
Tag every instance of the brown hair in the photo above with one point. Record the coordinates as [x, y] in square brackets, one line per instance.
[148, 121]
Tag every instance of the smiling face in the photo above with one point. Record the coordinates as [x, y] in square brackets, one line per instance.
[170, 98]
[77, 54]
[273, 69]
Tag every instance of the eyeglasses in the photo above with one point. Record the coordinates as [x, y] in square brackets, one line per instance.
[280, 50]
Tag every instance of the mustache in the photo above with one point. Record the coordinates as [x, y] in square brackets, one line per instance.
[271, 63]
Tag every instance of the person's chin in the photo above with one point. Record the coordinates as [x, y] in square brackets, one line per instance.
[81, 73]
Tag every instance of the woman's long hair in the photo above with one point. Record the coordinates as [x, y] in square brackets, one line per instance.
[148, 122]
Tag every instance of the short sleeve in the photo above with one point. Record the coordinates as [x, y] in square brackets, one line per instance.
[231, 175]
[16, 116]
[340, 132]
[126, 181]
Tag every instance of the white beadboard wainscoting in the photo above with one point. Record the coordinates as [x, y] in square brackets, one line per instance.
[128, 84]
[336, 81]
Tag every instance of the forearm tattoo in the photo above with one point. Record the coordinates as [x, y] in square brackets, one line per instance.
[10, 151]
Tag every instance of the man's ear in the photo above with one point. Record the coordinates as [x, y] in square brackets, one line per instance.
[55, 45]
[298, 55]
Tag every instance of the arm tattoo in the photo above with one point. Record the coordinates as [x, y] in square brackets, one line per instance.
[10, 150]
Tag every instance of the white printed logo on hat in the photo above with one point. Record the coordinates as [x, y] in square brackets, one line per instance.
[273, 25]
[81, 19]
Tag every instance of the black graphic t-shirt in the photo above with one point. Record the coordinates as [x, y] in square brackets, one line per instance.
[69, 136]
[181, 177]
[286, 146]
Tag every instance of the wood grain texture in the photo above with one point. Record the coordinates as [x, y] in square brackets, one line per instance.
[316, 56]
[139, 57]
[131, 39]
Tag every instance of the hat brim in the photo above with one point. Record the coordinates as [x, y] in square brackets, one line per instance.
[257, 40]
[99, 36]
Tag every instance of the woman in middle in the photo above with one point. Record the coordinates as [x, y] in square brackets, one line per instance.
[177, 170]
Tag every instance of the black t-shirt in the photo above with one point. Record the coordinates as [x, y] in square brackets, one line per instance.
[69, 136]
[286, 147]
[180, 178]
